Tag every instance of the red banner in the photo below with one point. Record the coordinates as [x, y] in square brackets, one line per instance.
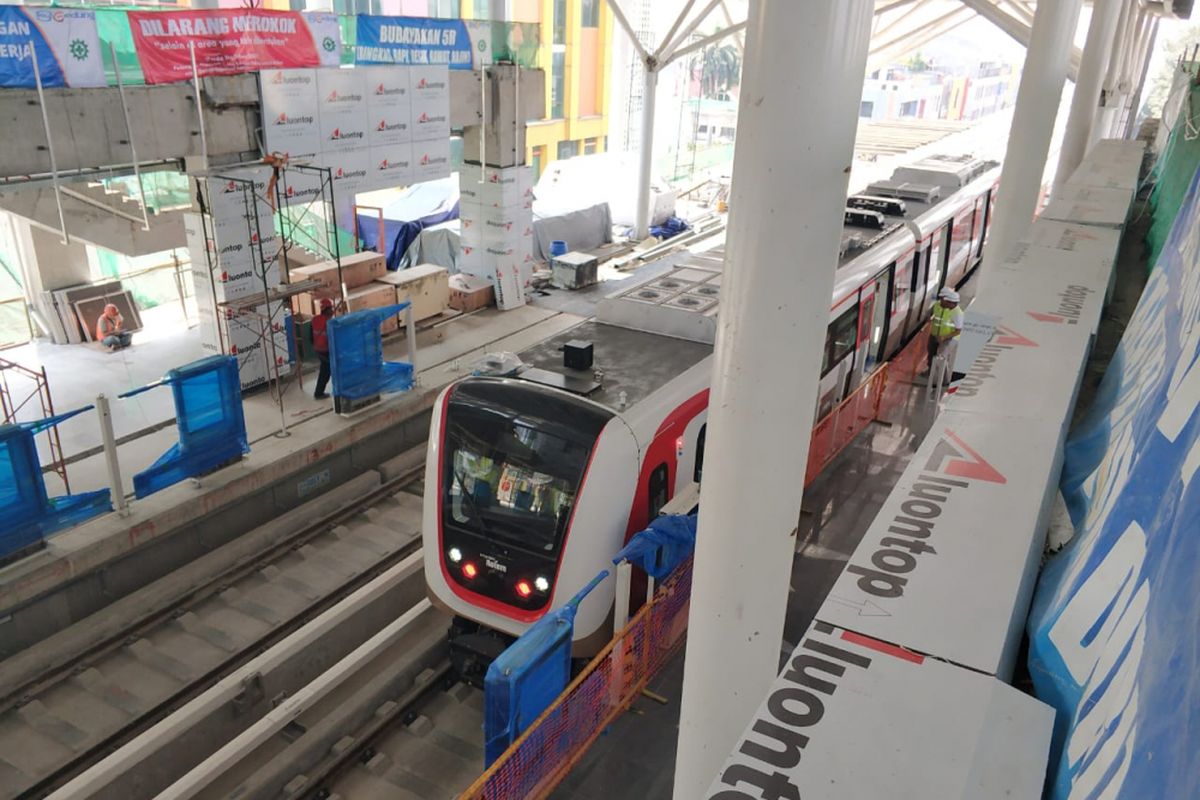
[226, 42]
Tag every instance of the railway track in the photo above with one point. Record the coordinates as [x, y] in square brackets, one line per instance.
[87, 707]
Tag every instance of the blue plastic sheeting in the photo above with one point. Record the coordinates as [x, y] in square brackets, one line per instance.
[527, 677]
[671, 226]
[356, 356]
[1114, 633]
[27, 513]
[666, 544]
[208, 416]
[418, 207]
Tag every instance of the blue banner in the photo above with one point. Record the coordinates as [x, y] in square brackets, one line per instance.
[413, 41]
[1115, 625]
[64, 41]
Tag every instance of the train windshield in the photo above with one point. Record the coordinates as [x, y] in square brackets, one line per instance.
[510, 476]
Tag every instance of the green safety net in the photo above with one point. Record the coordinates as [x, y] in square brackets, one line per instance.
[1174, 170]
[112, 26]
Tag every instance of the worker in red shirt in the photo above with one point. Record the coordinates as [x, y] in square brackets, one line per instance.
[320, 334]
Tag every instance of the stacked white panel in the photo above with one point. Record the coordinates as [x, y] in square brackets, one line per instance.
[852, 717]
[496, 217]
[374, 127]
[233, 251]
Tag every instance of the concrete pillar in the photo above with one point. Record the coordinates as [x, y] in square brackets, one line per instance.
[1084, 103]
[801, 87]
[646, 161]
[1033, 122]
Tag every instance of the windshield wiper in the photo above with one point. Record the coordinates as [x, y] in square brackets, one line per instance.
[470, 498]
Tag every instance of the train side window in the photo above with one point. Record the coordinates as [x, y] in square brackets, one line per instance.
[840, 339]
[700, 453]
[656, 489]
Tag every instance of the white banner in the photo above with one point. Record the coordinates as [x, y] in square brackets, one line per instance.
[327, 36]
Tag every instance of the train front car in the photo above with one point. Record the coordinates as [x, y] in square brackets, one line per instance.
[510, 532]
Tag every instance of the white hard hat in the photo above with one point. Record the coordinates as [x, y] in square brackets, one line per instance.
[948, 294]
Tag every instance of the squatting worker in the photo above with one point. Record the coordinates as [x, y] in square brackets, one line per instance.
[110, 329]
[320, 334]
[945, 325]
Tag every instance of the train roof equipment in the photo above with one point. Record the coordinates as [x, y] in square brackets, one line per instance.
[884, 205]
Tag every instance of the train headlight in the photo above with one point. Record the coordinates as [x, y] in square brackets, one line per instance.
[470, 570]
[523, 588]
[541, 584]
[455, 554]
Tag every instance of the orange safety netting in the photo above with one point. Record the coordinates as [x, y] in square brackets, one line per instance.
[885, 390]
[543, 756]
[539, 760]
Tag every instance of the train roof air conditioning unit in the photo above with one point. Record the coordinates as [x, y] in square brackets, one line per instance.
[921, 192]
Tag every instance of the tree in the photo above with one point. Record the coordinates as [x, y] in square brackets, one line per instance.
[917, 62]
[720, 70]
[1158, 85]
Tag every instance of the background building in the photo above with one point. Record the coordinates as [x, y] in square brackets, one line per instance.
[575, 52]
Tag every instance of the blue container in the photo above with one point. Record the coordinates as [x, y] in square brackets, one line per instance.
[558, 248]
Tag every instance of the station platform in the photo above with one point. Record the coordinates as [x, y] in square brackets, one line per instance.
[82, 569]
[636, 755]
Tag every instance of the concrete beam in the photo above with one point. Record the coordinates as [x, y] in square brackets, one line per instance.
[87, 223]
[88, 128]
[89, 134]
[1017, 29]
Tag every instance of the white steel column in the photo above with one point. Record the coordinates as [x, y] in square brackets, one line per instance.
[1145, 54]
[1033, 123]
[801, 88]
[646, 162]
[1085, 102]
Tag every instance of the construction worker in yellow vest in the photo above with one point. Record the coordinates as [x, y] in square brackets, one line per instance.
[946, 324]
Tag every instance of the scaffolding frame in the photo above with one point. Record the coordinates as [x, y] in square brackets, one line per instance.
[11, 408]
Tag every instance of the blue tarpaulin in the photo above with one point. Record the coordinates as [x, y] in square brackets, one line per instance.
[1114, 633]
[527, 677]
[208, 415]
[27, 512]
[356, 356]
[664, 545]
[420, 206]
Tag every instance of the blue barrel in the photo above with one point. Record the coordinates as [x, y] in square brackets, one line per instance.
[558, 248]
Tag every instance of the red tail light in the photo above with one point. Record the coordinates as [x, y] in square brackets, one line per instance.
[469, 570]
[523, 588]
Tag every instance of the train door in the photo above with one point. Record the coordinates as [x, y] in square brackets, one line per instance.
[841, 340]
[984, 221]
[900, 303]
[920, 284]
[689, 453]
[874, 319]
[939, 265]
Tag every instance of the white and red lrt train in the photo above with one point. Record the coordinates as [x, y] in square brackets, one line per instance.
[534, 482]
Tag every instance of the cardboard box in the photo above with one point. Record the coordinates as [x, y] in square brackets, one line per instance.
[426, 286]
[853, 717]
[470, 292]
[358, 270]
[374, 295]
